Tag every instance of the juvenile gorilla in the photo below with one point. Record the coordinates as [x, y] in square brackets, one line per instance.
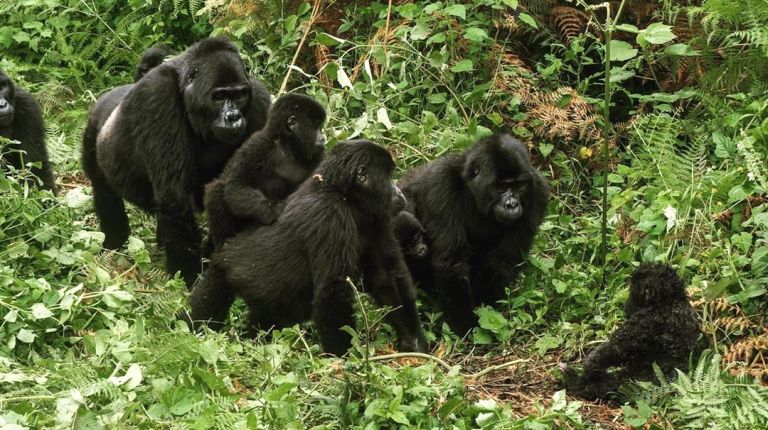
[156, 143]
[150, 59]
[480, 210]
[22, 120]
[266, 169]
[661, 327]
[334, 227]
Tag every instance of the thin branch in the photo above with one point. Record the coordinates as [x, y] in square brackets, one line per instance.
[307, 27]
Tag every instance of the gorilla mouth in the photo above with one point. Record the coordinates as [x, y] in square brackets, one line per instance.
[508, 215]
[230, 131]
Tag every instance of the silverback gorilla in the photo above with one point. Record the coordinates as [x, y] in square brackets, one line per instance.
[22, 120]
[156, 143]
[480, 211]
[336, 226]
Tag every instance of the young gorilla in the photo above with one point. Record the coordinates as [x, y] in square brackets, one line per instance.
[266, 169]
[480, 210]
[661, 327]
[334, 227]
[22, 120]
[150, 59]
[156, 143]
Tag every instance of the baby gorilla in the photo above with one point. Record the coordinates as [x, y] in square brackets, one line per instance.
[150, 59]
[661, 327]
[266, 169]
[335, 227]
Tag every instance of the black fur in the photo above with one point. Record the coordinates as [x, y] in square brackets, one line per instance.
[157, 142]
[266, 169]
[150, 59]
[480, 210]
[336, 226]
[22, 120]
[661, 327]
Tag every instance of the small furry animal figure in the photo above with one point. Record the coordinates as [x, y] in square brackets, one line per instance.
[661, 327]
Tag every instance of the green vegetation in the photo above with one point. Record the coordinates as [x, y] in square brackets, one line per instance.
[88, 337]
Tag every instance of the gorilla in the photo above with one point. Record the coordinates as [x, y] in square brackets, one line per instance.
[661, 327]
[269, 166]
[480, 211]
[21, 120]
[335, 228]
[156, 143]
[152, 58]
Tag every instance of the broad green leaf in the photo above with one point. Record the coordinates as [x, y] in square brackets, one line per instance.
[511, 3]
[528, 20]
[328, 39]
[39, 311]
[26, 336]
[475, 34]
[628, 28]
[622, 51]
[681, 49]
[658, 33]
[462, 66]
[458, 10]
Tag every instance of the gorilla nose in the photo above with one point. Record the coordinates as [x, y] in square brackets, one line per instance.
[232, 116]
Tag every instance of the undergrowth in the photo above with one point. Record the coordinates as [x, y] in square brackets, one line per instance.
[88, 337]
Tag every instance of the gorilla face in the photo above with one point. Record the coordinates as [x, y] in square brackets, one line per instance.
[499, 178]
[297, 120]
[216, 92]
[6, 100]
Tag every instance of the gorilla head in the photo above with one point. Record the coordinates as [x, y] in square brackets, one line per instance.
[216, 90]
[499, 175]
[150, 59]
[369, 187]
[7, 96]
[297, 121]
[653, 285]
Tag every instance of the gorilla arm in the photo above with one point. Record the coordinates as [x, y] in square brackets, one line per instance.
[333, 246]
[387, 278]
[168, 147]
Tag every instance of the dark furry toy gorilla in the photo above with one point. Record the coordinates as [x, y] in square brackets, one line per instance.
[335, 227]
[269, 166]
[21, 120]
[480, 210]
[661, 327]
[152, 58]
[157, 142]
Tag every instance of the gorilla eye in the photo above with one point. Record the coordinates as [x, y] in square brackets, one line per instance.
[362, 174]
[291, 122]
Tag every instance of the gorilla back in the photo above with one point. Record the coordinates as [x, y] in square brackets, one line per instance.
[336, 226]
[157, 142]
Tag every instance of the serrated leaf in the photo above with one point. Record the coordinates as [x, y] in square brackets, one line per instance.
[622, 51]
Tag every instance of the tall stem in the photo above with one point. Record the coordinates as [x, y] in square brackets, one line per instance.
[610, 25]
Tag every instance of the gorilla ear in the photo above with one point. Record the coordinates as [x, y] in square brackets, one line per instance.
[290, 123]
[362, 174]
[192, 74]
[471, 169]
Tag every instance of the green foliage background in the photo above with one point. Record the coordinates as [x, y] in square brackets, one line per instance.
[88, 338]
